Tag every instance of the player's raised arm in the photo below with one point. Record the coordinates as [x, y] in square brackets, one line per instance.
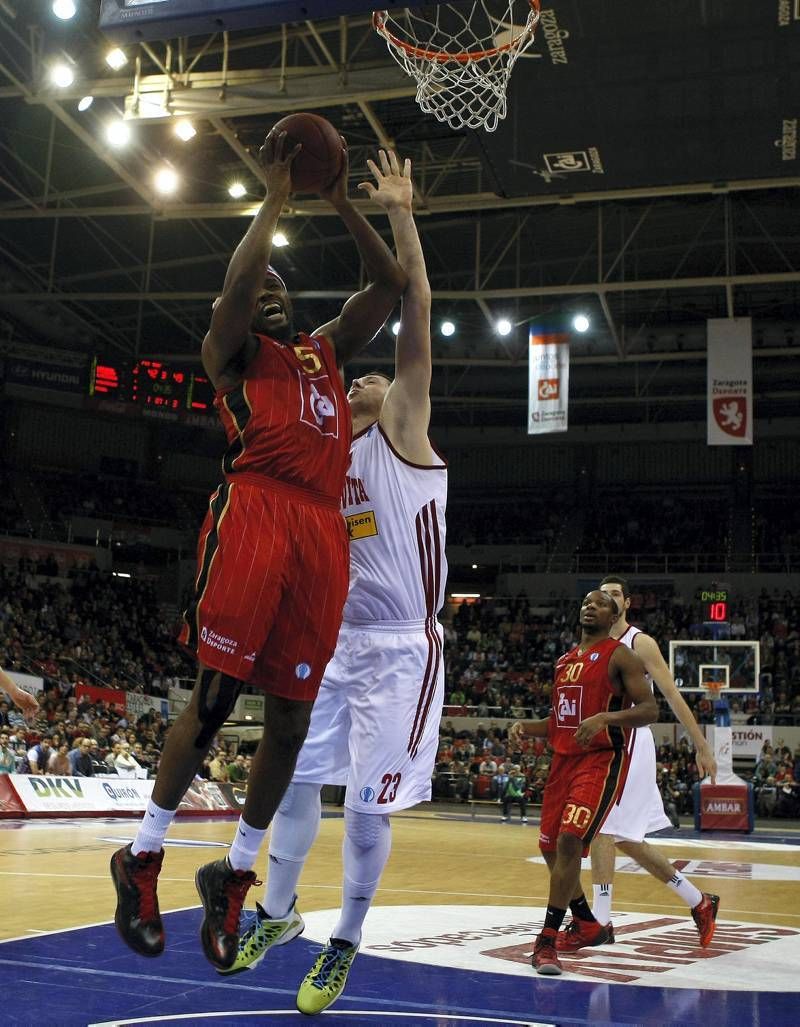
[232, 315]
[364, 314]
[407, 409]
[649, 653]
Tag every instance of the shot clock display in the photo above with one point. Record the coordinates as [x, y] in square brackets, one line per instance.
[715, 605]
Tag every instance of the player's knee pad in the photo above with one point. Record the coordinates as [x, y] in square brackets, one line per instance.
[216, 696]
[299, 797]
[366, 830]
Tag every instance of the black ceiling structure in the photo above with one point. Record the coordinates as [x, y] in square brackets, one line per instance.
[647, 174]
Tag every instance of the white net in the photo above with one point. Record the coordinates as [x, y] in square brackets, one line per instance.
[461, 55]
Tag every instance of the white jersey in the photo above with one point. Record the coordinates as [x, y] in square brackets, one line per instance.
[395, 516]
[639, 810]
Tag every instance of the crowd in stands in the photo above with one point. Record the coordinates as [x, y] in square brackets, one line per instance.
[79, 737]
[108, 498]
[667, 522]
[534, 519]
[11, 516]
[91, 628]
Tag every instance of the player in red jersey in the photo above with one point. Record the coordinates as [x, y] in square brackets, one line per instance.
[272, 556]
[599, 693]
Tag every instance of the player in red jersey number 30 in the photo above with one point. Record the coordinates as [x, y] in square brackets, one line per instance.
[599, 694]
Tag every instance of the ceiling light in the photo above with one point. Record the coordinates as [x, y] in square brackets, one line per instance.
[118, 133]
[448, 328]
[503, 326]
[166, 181]
[396, 328]
[279, 239]
[85, 103]
[236, 191]
[62, 75]
[116, 59]
[64, 9]
[580, 323]
[185, 130]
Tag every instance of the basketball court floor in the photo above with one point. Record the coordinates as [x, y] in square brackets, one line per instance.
[447, 942]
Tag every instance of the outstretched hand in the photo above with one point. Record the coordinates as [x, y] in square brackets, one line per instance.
[394, 188]
[277, 163]
[27, 704]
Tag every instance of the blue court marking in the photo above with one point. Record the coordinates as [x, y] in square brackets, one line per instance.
[88, 976]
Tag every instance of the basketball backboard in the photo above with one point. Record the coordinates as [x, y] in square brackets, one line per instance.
[129, 21]
[702, 664]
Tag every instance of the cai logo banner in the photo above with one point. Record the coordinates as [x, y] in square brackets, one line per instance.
[548, 381]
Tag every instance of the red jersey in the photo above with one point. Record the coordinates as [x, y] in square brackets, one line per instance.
[581, 688]
[289, 419]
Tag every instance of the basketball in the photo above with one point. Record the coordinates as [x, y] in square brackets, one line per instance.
[320, 160]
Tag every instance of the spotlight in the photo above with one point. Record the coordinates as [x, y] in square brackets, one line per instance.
[448, 328]
[116, 59]
[118, 133]
[185, 130]
[396, 328]
[504, 326]
[236, 191]
[64, 9]
[85, 103]
[166, 181]
[580, 323]
[62, 75]
[279, 239]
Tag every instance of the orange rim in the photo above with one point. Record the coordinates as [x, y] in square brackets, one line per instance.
[443, 56]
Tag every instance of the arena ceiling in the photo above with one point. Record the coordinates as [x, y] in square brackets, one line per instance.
[647, 174]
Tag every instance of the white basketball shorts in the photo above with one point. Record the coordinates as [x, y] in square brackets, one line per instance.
[375, 723]
[640, 808]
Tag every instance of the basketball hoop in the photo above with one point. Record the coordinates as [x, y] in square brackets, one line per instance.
[461, 56]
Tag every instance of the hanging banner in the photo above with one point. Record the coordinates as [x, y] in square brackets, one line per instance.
[548, 381]
[730, 382]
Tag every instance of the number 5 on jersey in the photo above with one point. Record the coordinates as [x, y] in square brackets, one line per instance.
[309, 360]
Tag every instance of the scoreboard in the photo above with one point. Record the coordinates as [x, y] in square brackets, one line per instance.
[715, 605]
[151, 384]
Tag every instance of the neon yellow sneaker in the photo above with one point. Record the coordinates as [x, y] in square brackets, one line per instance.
[325, 981]
[261, 934]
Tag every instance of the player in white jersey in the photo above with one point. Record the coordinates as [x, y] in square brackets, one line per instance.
[640, 809]
[375, 724]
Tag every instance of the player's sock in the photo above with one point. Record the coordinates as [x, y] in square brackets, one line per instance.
[294, 829]
[153, 828]
[367, 844]
[580, 909]
[554, 918]
[246, 844]
[685, 889]
[601, 906]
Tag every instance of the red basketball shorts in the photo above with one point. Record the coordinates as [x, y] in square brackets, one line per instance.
[579, 794]
[272, 578]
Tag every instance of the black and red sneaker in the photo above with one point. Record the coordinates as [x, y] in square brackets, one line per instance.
[137, 917]
[704, 915]
[545, 959]
[581, 934]
[222, 891]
